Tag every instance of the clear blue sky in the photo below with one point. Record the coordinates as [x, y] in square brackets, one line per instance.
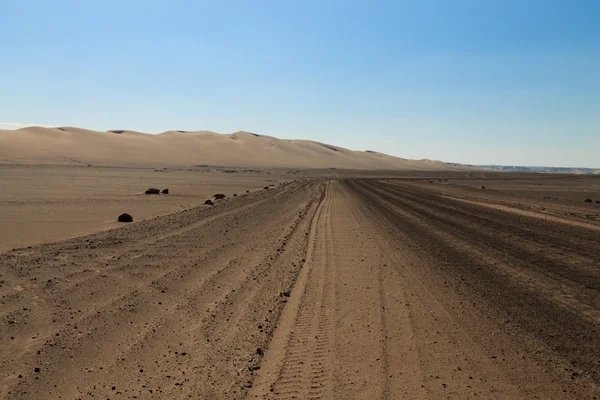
[504, 82]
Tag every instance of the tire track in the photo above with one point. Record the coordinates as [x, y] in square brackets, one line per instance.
[514, 294]
[300, 367]
[186, 288]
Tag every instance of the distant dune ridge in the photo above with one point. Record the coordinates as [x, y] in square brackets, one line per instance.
[66, 145]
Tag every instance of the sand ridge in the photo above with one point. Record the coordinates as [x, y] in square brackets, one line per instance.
[68, 145]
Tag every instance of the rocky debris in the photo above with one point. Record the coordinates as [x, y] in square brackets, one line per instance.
[260, 352]
[266, 187]
[588, 200]
[598, 201]
[247, 191]
[125, 218]
[219, 196]
[209, 202]
[153, 191]
[165, 191]
[286, 293]
[235, 195]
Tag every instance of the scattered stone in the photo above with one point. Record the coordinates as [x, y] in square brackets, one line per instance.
[483, 187]
[260, 352]
[165, 191]
[598, 201]
[219, 196]
[588, 200]
[235, 195]
[247, 191]
[286, 293]
[153, 191]
[37, 370]
[266, 187]
[209, 202]
[125, 218]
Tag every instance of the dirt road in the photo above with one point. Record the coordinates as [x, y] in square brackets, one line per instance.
[319, 289]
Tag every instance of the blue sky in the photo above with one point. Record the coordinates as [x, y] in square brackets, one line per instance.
[483, 82]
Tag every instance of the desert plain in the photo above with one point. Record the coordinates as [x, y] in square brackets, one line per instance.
[421, 281]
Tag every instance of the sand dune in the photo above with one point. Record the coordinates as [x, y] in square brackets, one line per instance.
[66, 145]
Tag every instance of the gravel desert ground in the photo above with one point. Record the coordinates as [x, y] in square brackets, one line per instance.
[349, 286]
[46, 203]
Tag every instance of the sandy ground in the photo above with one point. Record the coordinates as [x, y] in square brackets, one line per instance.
[42, 203]
[319, 288]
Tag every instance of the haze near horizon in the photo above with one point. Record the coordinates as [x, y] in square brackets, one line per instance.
[472, 82]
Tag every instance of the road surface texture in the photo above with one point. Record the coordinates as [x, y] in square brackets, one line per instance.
[316, 289]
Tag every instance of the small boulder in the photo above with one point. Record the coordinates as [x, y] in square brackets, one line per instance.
[125, 218]
[235, 195]
[483, 187]
[266, 187]
[219, 196]
[588, 200]
[153, 191]
[209, 202]
[247, 191]
[165, 191]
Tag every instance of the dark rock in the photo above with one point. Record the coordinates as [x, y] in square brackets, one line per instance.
[125, 218]
[235, 195]
[588, 200]
[247, 191]
[483, 187]
[36, 370]
[153, 191]
[286, 293]
[165, 191]
[219, 196]
[260, 352]
[209, 202]
[598, 201]
[266, 187]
